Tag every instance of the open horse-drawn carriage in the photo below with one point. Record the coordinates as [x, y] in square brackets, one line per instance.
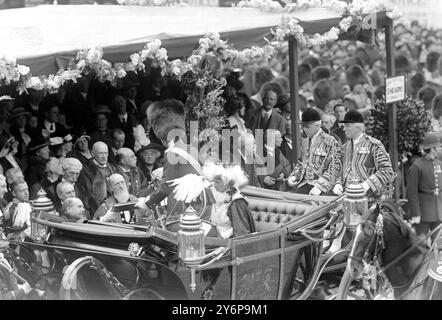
[283, 259]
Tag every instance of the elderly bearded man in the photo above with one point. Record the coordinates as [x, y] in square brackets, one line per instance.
[364, 159]
[320, 162]
[99, 171]
[120, 194]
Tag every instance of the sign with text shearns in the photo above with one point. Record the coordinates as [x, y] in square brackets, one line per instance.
[395, 89]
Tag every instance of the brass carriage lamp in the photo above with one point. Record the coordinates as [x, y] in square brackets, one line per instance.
[40, 206]
[191, 246]
[355, 204]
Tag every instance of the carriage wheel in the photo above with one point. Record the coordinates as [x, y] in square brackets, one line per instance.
[144, 294]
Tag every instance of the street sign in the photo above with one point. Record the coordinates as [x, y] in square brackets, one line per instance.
[395, 89]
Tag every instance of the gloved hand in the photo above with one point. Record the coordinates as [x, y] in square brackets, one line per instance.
[315, 191]
[415, 220]
[269, 181]
[25, 287]
[291, 181]
[338, 190]
[110, 216]
[142, 203]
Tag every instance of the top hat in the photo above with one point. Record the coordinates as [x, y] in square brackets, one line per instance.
[353, 116]
[101, 108]
[431, 140]
[37, 143]
[17, 112]
[310, 115]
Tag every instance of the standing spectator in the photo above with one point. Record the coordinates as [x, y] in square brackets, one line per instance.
[103, 133]
[38, 157]
[117, 142]
[149, 159]
[427, 95]
[233, 109]
[338, 128]
[266, 117]
[130, 86]
[121, 119]
[35, 98]
[127, 167]
[20, 130]
[424, 183]
[79, 105]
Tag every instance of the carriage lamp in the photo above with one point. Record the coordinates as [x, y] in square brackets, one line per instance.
[355, 204]
[40, 206]
[191, 246]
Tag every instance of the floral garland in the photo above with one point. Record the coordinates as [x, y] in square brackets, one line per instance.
[289, 26]
[155, 3]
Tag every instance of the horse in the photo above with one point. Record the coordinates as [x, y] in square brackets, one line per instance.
[403, 257]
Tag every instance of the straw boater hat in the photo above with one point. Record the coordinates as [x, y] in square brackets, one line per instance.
[431, 140]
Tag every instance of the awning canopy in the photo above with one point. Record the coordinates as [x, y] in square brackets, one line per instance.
[46, 37]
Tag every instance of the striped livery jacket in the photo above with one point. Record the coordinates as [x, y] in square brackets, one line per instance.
[321, 165]
[369, 162]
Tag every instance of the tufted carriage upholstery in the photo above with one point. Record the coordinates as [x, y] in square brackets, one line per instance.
[270, 214]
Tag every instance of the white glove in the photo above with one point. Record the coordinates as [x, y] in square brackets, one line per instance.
[315, 191]
[157, 174]
[291, 181]
[23, 215]
[25, 287]
[269, 181]
[415, 220]
[110, 216]
[338, 190]
[142, 203]
[365, 186]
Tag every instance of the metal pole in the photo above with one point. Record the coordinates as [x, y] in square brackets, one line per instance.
[392, 109]
[294, 105]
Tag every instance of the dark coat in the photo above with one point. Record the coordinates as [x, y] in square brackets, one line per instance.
[35, 174]
[135, 180]
[275, 122]
[420, 191]
[79, 110]
[282, 165]
[174, 167]
[104, 136]
[127, 127]
[338, 131]
[98, 181]
[21, 143]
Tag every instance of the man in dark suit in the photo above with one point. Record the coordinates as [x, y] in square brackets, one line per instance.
[117, 142]
[130, 87]
[121, 119]
[49, 126]
[165, 116]
[338, 128]
[267, 117]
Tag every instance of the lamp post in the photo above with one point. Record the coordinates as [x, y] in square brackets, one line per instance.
[191, 246]
[355, 205]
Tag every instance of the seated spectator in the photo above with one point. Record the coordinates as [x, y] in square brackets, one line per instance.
[117, 142]
[64, 190]
[81, 149]
[49, 125]
[12, 175]
[127, 167]
[3, 190]
[119, 194]
[99, 171]
[103, 133]
[75, 173]
[72, 210]
[49, 185]
[60, 146]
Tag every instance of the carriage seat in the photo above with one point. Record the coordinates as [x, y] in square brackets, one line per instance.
[270, 214]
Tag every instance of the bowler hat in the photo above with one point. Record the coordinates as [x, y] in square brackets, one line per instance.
[310, 115]
[101, 108]
[17, 112]
[37, 143]
[353, 116]
[431, 140]
[150, 146]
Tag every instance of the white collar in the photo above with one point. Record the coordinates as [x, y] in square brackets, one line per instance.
[99, 165]
[49, 124]
[124, 116]
[356, 141]
[269, 113]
